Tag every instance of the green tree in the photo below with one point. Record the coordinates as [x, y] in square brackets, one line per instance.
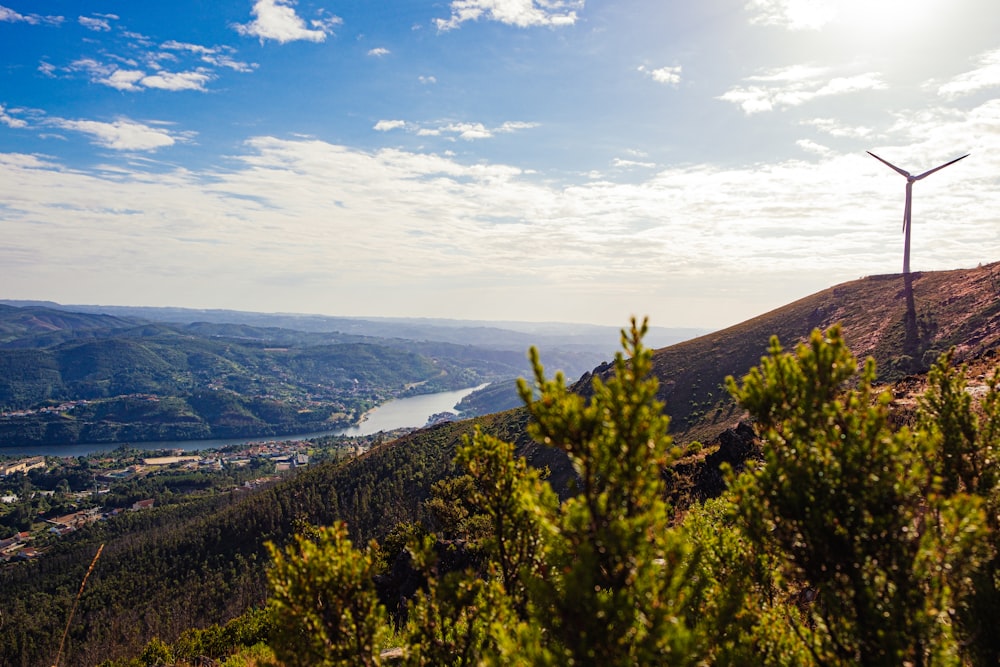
[616, 581]
[967, 460]
[156, 653]
[323, 603]
[515, 501]
[850, 509]
[746, 609]
[453, 622]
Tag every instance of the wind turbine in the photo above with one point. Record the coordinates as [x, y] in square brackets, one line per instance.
[910, 180]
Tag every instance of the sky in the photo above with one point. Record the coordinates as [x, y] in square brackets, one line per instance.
[699, 163]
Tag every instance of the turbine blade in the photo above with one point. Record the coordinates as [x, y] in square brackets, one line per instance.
[904, 174]
[931, 171]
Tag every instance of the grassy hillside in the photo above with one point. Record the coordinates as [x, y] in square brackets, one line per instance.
[954, 308]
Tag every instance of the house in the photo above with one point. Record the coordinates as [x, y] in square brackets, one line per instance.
[28, 553]
[22, 465]
[11, 544]
[70, 522]
[116, 475]
[142, 504]
[212, 464]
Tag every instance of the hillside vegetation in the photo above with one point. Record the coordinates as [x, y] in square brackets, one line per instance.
[958, 309]
[854, 542]
[206, 565]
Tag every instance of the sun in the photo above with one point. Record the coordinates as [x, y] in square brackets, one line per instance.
[882, 16]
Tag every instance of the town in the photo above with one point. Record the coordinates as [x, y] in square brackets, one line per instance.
[44, 498]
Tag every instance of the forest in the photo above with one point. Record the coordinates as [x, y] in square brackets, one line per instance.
[855, 534]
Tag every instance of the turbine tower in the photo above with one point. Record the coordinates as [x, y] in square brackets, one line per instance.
[910, 180]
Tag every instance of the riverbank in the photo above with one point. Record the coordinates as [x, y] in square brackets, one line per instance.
[411, 412]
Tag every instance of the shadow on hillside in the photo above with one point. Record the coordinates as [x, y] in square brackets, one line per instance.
[911, 344]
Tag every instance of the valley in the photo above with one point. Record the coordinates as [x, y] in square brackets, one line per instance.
[69, 378]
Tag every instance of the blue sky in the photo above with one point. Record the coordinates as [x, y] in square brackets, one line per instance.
[536, 160]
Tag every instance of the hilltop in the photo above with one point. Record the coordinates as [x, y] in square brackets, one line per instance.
[959, 309]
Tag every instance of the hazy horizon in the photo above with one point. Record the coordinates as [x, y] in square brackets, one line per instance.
[516, 325]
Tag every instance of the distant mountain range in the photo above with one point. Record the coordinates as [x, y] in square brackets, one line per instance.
[503, 335]
[150, 374]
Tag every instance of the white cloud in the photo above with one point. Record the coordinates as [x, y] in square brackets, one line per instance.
[621, 163]
[230, 63]
[220, 56]
[987, 75]
[837, 129]
[515, 125]
[123, 79]
[195, 80]
[793, 73]
[466, 131]
[520, 13]
[326, 23]
[387, 125]
[95, 24]
[121, 135]
[794, 86]
[10, 121]
[813, 147]
[668, 75]
[174, 45]
[850, 84]
[138, 37]
[277, 20]
[875, 19]
[91, 66]
[792, 14]
[378, 52]
[134, 80]
[10, 16]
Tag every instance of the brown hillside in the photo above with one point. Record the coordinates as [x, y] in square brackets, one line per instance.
[953, 308]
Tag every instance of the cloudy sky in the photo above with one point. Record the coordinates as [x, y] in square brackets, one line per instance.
[538, 160]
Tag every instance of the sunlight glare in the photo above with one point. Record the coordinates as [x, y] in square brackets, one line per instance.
[882, 16]
[855, 15]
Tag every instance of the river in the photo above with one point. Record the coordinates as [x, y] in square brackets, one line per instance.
[411, 412]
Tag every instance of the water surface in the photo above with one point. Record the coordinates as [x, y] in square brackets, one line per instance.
[411, 412]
